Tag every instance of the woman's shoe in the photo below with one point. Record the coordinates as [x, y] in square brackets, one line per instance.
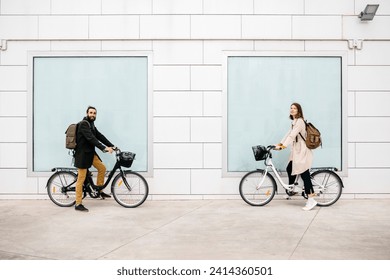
[310, 204]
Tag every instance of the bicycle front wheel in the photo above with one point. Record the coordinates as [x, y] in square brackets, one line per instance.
[61, 188]
[327, 186]
[130, 190]
[257, 189]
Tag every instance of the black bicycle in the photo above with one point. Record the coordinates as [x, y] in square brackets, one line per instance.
[128, 188]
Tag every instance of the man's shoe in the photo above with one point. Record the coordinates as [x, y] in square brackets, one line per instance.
[81, 207]
[104, 195]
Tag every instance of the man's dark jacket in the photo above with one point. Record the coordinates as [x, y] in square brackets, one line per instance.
[88, 137]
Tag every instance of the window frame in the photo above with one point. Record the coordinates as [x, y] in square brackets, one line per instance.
[63, 54]
[344, 102]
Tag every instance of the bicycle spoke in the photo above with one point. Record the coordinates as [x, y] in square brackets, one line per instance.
[59, 190]
[328, 187]
[130, 191]
[257, 189]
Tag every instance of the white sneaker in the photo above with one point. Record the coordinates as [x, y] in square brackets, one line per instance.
[310, 204]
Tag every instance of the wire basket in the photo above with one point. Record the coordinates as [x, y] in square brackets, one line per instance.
[260, 152]
[126, 159]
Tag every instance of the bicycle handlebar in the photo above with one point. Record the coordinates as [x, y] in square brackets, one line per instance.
[271, 147]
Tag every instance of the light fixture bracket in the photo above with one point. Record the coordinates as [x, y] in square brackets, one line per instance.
[355, 44]
[3, 45]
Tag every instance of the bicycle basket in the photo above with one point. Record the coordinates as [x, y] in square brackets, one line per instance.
[260, 152]
[126, 159]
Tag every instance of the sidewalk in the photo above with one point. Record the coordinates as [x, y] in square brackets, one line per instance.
[195, 229]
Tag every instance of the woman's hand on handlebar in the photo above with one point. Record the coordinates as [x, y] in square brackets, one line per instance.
[279, 147]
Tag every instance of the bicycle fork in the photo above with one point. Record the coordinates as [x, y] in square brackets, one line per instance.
[265, 171]
[125, 181]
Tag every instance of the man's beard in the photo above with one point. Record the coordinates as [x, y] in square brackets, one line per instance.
[92, 119]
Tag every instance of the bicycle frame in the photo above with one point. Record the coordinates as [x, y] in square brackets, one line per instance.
[89, 181]
[269, 164]
[289, 187]
[117, 166]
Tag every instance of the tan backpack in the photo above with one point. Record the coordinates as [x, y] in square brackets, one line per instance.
[313, 136]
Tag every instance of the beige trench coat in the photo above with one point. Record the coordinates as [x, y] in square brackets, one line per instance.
[301, 156]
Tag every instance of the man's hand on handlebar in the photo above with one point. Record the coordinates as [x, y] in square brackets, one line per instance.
[109, 150]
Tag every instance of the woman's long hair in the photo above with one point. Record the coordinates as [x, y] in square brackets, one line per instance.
[300, 112]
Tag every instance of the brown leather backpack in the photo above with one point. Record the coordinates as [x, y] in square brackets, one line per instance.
[313, 136]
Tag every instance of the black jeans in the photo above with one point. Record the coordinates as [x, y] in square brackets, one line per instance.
[305, 177]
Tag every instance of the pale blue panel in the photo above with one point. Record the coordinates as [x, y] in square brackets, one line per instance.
[63, 89]
[260, 92]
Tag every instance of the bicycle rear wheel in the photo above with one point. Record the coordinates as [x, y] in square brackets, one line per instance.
[257, 189]
[61, 188]
[131, 190]
[327, 186]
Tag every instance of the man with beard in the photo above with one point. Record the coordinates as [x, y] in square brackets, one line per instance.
[87, 138]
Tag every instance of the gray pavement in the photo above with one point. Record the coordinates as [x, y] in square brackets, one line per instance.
[195, 230]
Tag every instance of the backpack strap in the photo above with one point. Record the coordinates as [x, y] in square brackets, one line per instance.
[305, 127]
[302, 137]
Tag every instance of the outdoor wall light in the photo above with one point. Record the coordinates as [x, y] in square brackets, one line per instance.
[368, 13]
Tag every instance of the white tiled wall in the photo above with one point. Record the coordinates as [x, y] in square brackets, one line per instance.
[317, 27]
[13, 155]
[369, 78]
[374, 53]
[228, 7]
[353, 28]
[288, 7]
[63, 27]
[13, 78]
[178, 103]
[330, 7]
[369, 129]
[177, 52]
[13, 130]
[266, 27]
[19, 27]
[187, 39]
[127, 6]
[165, 26]
[113, 27]
[372, 104]
[23, 7]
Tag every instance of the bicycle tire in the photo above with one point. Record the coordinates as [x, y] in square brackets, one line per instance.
[256, 195]
[327, 186]
[61, 188]
[131, 190]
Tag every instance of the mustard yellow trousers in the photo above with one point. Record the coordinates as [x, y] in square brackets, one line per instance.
[82, 173]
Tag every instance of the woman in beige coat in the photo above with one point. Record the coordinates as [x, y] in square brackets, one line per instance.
[301, 157]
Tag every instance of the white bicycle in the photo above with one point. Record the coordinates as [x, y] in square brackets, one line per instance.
[258, 187]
